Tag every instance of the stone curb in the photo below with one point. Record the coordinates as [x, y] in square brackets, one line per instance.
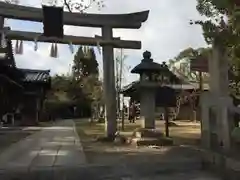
[226, 167]
[78, 142]
[100, 172]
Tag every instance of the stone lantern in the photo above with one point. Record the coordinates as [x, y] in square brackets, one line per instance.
[149, 81]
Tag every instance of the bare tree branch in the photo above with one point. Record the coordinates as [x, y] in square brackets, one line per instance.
[66, 3]
[12, 1]
[82, 5]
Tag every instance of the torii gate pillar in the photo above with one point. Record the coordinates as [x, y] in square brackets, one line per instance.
[109, 84]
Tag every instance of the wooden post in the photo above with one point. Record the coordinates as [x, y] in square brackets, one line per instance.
[201, 90]
[109, 84]
[123, 113]
[120, 87]
[166, 113]
[200, 81]
[123, 116]
[37, 109]
[1, 28]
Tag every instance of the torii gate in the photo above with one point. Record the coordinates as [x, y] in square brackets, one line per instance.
[104, 21]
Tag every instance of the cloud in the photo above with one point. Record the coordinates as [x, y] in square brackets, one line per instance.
[165, 34]
[42, 60]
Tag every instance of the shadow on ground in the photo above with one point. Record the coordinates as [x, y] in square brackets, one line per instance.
[11, 135]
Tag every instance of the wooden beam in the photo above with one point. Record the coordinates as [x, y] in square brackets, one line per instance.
[132, 20]
[100, 37]
[77, 40]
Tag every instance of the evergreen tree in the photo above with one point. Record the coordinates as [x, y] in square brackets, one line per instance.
[77, 64]
[85, 63]
[222, 26]
[86, 76]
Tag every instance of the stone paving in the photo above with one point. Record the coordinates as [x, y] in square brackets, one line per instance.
[55, 153]
[51, 147]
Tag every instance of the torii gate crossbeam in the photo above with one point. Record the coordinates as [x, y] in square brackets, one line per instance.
[131, 21]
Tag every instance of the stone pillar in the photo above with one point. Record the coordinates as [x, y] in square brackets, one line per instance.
[109, 83]
[147, 108]
[218, 69]
[219, 87]
[205, 121]
[226, 121]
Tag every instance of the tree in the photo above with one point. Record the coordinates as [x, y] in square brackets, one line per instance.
[12, 1]
[184, 58]
[84, 63]
[77, 64]
[120, 68]
[180, 65]
[85, 74]
[82, 5]
[223, 27]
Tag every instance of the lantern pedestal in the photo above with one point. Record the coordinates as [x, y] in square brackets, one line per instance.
[150, 137]
[147, 108]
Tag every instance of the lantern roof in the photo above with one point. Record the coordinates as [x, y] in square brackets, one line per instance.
[147, 65]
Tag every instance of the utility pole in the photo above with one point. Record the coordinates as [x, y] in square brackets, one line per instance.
[120, 85]
[117, 61]
[119, 67]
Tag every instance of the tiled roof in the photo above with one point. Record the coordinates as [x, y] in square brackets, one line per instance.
[32, 75]
[183, 86]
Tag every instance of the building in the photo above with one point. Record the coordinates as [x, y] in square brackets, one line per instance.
[36, 83]
[187, 94]
[21, 90]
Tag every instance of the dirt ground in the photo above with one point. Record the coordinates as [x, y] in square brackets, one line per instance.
[183, 132]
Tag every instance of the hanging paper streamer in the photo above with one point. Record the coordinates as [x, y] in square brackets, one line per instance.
[99, 48]
[52, 51]
[17, 47]
[35, 44]
[71, 48]
[55, 50]
[20, 48]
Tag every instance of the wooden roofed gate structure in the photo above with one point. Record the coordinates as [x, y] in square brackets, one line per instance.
[53, 32]
[22, 91]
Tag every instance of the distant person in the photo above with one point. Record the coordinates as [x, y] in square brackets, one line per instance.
[132, 113]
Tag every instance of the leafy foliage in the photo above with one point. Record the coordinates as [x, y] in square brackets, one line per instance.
[82, 89]
[72, 5]
[85, 63]
[85, 75]
[12, 1]
[184, 58]
[82, 5]
[222, 27]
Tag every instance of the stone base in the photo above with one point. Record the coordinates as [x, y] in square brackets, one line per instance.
[235, 134]
[226, 167]
[152, 141]
[149, 137]
[172, 124]
[147, 133]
